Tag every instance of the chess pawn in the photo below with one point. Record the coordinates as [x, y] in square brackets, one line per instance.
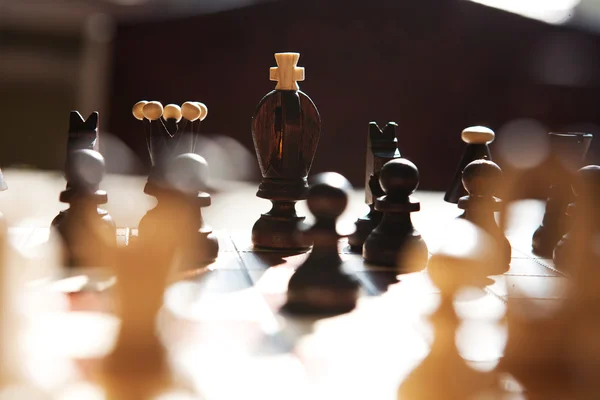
[444, 374]
[285, 128]
[578, 245]
[319, 286]
[177, 218]
[480, 178]
[395, 242]
[567, 153]
[88, 232]
[477, 140]
[382, 146]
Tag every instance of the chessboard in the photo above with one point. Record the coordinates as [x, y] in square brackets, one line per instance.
[222, 324]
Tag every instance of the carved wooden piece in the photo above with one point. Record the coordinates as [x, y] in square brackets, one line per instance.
[395, 242]
[477, 139]
[285, 128]
[319, 286]
[567, 153]
[382, 146]
[480, 178]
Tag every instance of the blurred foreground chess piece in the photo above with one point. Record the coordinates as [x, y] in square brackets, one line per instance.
[480, 179]
[567, 154]
[285, 128]
[169, 131]
[177, 220]
[15, 372]
[319, 286]
[458, 264]
[87, 230]
[582, 239]
[137, 368]
[382, 146]
[3, 187]
[395, 242]
[477, 139]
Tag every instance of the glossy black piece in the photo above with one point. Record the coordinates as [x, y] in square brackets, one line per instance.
[395, 242]
[319, 286]
[567, 153]
[382, 146]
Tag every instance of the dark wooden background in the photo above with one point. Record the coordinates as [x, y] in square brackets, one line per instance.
[434, 67]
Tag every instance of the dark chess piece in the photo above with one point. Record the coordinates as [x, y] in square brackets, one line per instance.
[169, 131]
[477, 139]
[480, 179]
[395, 242]
[579, 241]
[382, 146]
[567, 153]
[444, 374]
[177, 218]
[319, 286]
[88, 232]
[285, 128]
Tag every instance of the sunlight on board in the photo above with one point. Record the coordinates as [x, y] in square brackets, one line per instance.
[550, 11]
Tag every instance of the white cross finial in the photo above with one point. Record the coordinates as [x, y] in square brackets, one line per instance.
[286, 73]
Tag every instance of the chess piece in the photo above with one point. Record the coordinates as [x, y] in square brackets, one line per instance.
[444, 374]
[395, 238]
[169, 131]
[3, 187]
[477, 139]
[579, 241]
[382, 146]
[480, 178]
[177, 218]
[319, 286]
[567, 153]
[137, 368]
[285, 128]
[86, 229]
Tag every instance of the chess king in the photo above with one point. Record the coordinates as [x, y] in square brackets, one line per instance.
[285, 128]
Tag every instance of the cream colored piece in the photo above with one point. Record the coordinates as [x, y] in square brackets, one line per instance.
[137, 109]
[478, 135]
[137, 369]
[287, 73]
[204, 110]
[153, 110]
[172, 111]
[191, 111]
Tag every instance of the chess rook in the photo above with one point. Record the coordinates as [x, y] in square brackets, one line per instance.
[382, 146]
[477, 139]
[319, 286]
[567, 154]
[480, 179]
[395, 242]
[285, 128]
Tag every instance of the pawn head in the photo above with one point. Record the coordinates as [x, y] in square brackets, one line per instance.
[481, 177]
[399, 178]
[588, 182]
[188, 173]
[328, 195]
[85, 168]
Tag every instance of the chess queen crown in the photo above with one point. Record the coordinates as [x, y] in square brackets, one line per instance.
[169, 131]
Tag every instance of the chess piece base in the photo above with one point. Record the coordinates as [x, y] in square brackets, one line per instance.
[278, 229]
[364, 227]
[332, 293]
[406, 252]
